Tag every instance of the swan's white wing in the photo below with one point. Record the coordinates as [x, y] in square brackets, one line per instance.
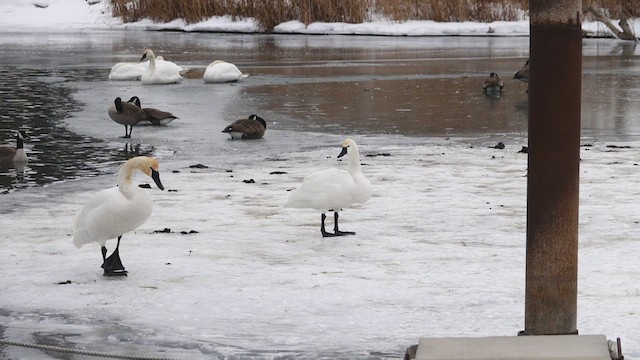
[127, 71]
[109, 214]
[220, 71]
[330, 189]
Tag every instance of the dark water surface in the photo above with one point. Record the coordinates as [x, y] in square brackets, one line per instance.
[416, 87]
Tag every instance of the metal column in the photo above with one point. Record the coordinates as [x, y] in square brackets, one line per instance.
[553, 169]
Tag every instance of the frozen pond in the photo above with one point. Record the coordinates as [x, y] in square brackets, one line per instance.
[434, 244]
[331, 84]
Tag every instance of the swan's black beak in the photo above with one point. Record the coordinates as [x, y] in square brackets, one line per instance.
[156, 177]
[144, 56]
[343, 152]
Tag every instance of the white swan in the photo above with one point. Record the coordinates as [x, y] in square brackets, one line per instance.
[112, 212]
[128, 70]
[334, 189]
[221, 71]
[15, 155]
[159, 72]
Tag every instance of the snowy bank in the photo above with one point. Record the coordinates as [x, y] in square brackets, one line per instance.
[47, 15]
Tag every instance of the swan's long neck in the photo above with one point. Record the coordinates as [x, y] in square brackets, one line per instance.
[152, 61]
[125, 179]
[354, 159]
[20, 143]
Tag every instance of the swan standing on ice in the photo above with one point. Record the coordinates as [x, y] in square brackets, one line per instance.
[11, 155]
[221, 72]
[155, 74]
[334, 189]
[251, 128]
[112, 212]
[155, 116]
[126, 114]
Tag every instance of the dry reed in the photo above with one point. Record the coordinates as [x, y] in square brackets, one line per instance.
[269, 13]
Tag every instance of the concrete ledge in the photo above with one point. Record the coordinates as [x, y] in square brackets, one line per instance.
[547, 347]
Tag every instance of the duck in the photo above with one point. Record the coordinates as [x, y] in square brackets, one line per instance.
[523, 74]
[159, 74]
[10, 155]
[155, 116]
[113, 212]
[221, 72]
[493, 83]
[251, 128]
[127, 114]
[334, 189]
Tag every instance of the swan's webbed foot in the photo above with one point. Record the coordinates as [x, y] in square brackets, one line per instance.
[113, 265]
[327, 234]
[337, 232]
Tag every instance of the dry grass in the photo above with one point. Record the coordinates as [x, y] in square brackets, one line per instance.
[270, 13]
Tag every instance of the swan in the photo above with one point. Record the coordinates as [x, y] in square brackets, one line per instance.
[334, 189]
[523, 74]
[128, 70]
[133, 70]
[11, 155]
[112, 212]
[159, 74]
[155, 116]
[493, 83]
[126, 114]
[250, 128]
[221, 71]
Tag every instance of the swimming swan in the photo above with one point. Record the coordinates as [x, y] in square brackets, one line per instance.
[157, 74]
[126, 114]
[251, 128]
[11, 155]
[334, 189]
[221, 71]
[112, 212]
[155, 116]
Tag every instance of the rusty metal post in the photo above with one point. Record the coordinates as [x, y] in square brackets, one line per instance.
[553, 169]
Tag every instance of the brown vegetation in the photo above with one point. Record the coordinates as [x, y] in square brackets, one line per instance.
[269, 13]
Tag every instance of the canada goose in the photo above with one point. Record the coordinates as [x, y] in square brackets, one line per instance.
[155, 116]
[334, 189]
[11, 155]
[126, 114]
[112, 212]
[523, 74]
[221, 71]
[155, 74]
[493, 83]
[250, 128]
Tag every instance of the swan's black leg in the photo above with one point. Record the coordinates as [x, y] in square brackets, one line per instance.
[335, 227]
[324, 232]
[113, 265]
